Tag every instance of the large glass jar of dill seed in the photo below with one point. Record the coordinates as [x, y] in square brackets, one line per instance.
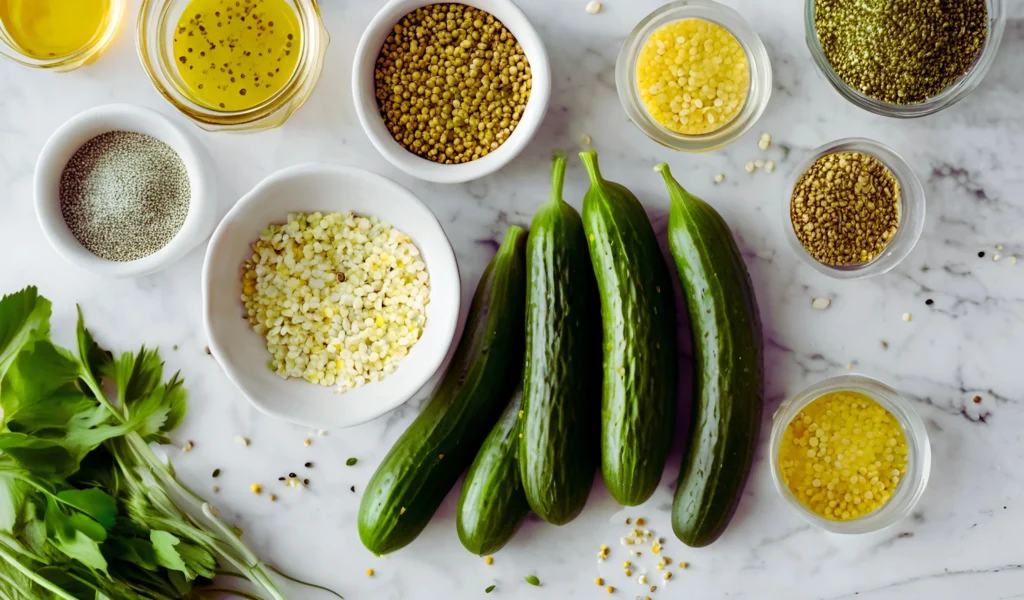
[235, 65]
[925, 56]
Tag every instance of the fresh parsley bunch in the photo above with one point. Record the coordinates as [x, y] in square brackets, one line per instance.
[87, 509]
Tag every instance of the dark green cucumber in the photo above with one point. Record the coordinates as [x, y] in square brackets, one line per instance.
[558, 454]
[638, 403]
[728, 350]
[425, 462]
[492, 505]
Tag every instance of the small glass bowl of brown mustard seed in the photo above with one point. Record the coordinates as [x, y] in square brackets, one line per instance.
[904, 58]
[853, 209]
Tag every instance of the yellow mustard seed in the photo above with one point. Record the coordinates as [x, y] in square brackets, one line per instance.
[599, 581]
[843, 455]
[489, 560]
[693, 76]
[369, 572]
[609, 589]
[256, 488]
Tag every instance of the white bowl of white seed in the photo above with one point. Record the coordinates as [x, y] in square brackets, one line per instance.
[123, 191]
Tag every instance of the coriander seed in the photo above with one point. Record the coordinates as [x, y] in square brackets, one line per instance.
[452, 83]
[845, 209]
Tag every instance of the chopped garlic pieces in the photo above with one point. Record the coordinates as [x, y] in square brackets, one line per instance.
[340, 299]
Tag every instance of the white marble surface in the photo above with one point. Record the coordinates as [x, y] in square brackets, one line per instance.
[963, 539]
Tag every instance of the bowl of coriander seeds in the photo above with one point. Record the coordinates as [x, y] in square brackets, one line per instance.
[123, 191]
[904, 58]
[451, 92]
[853, 209]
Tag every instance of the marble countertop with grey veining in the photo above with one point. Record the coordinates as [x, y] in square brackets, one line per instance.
[963, 539]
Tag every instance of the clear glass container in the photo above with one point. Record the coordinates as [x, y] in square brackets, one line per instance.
[957, 91]
[157, 20]
[88, 53]
[760, 75]
[919, 454]
[911, 207]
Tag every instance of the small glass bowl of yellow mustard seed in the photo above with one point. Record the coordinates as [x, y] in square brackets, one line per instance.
[904, 58]
[853, 209]
[694, 75]
[850, 454]
[58, 35]
[233, 65]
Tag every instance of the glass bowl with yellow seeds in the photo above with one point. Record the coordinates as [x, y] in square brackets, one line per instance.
[850, 454]
[694, 75]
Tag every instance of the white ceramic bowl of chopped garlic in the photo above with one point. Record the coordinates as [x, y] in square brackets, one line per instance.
[243, 352]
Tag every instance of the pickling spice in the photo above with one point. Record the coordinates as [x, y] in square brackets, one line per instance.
[843, 455]
[233, 55]
[124, 195]
[901, 51]
[452, 83]
[845, 208]
[693, 76]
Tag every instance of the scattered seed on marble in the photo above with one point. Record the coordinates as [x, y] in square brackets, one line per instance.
[977, 399]
[996, 257]
[750, 167]
[999, 247]
[308, 465]
[188, 446]
[929, 302]
[981, 254]
[1013, 260]
[241, 441]
[216, 472]
[124, 195]
[593, 7]
[769, 166]
[586, 141]
[758, 163]
[821, 303]
[907, 317]
[719, 178]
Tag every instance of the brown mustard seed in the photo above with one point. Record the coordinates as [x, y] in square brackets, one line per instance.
[452, 83]
[846, 208]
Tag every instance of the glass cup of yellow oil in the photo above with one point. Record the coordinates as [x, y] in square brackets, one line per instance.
[850, 454]
[60, 35]
[237, 65]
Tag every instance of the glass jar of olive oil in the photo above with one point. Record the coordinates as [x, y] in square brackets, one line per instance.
[237, 65]
[58, 34]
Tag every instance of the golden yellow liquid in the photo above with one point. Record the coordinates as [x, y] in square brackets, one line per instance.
[52, 28]
[235, 54]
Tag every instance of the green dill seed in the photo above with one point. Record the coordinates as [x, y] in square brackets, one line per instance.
[216, 472]
[124, 195]
[532, 580]
[901, 51]
[352, 461]
[489, 589]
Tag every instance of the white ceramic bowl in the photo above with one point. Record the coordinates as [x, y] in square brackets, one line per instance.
[81, 128]
[364, 92]
[242, 352]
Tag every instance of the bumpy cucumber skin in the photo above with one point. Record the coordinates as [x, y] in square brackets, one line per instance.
[558, 454]
[638, 407]
[425, 462]
[728, 348]
[492, 505]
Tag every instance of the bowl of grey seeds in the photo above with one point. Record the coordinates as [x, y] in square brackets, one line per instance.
[123, 191]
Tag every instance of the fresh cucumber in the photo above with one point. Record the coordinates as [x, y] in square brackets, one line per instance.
[425, 462]
[728, 377]
[492, 505]
[559, 449]
[638, 403]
